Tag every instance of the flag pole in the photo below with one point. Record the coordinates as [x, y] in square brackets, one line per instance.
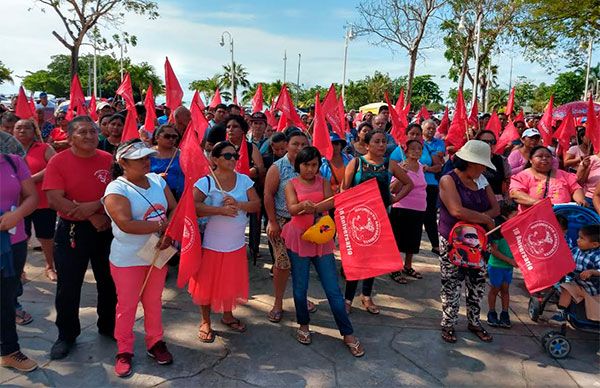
[493, 230]
[149, 272]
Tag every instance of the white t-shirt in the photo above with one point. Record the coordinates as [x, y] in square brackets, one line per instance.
[225, 234]
[124, 246]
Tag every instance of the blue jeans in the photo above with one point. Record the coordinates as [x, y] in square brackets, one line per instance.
[325, 266]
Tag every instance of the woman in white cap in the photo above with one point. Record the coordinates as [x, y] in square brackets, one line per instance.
[519, 157]
[462, 199]
[137, 202]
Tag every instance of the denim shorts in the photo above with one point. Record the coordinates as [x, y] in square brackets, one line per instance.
[499, 275]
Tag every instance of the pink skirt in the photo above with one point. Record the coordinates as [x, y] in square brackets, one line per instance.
[222, 280]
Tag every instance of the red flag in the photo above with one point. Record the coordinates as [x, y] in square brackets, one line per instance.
[32, 106]
[130, 129]
[592, 127]
[321, 138]
[444, 123]
[76, 99]
[198, 119]
[494, 124]
[343, 121]
[150, 120]
[367, 244]
[173, 90]
[257, 100]
[422, 115]
[509, 135]
[282, 124]
[458, 127]
[520, 117]
[538, 246]
[126, 91]
[243, 163]
[400, 103]
[473, 119]
[545, 124]
[286, 106]
[565, 132]
[271, 120]
[216, 100]
[510, 105]
[23, 109]
[398, 131]
[92, 108]
[331, 111]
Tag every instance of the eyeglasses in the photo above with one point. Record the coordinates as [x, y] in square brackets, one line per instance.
[230, 155]
[470, 235]
[490, 142]
[171, 136]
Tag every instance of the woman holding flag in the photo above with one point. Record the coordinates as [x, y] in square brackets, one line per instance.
[222, 279]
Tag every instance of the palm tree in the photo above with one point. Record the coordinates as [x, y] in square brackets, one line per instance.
[239, 73]
[249, 92]
[5, 74]
[208, 87]
[143, 75]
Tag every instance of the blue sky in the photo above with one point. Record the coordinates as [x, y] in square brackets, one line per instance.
[188, 32]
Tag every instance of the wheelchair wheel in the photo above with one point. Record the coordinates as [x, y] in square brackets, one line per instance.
[534, 309]
[558, 346]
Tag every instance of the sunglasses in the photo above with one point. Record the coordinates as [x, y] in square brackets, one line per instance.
[490, 142]
[470, 235]
[230, 155]
[171, 136]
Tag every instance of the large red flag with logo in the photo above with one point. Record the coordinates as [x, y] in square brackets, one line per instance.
[538, 246]
[331, 113]
[494, 124]
[458, 127]
[509, 135]
[592, 127]
[23, 109]
[565, 132]
[545, 124]
[173, 91]
[130, 130]
[286, 106]
[321, 138]
[367, 243]
[444, 123]
[216, 100]
[257, 100]
[150, 119]
[76, 99]
[398, 131]
[510, 105]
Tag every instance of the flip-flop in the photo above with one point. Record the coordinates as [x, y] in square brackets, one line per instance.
[481, 333]
[275, 316]
[235, 325]
[372, 308]
[303, 337]
[355, 348]
[209, 336]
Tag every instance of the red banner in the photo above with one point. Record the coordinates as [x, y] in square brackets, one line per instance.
[538, 246]
[367, 244]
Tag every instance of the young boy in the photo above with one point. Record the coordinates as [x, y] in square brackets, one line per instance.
[587, 285]
[500, 271]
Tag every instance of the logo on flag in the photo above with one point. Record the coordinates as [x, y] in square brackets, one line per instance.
[542, 240]
[188, 234]
[365, 226]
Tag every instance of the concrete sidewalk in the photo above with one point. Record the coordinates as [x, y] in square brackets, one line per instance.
[403, 344]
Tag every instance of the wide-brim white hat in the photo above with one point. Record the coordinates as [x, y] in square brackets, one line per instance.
[134, 151]
[476, 151]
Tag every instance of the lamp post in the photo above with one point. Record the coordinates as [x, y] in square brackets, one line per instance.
[284, 66]
[461, 27]
[349, 36]
[95, 85]
[298, 77]
[231, 70]
[589, 64]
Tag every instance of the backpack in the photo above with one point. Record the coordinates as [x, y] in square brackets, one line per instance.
[466, 245]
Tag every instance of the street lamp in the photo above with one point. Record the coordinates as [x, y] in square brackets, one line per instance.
[589, 64]
[462, 28]
[231, 70]
[284, 65]
[349, 36]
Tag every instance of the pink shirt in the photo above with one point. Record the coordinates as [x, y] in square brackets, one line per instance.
[10, 189]
[560, 187]
[593, 177]
[517, 162]
[417, 197]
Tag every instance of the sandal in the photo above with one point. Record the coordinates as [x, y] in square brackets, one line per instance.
[303, 337]
[448, 335]
[370, 307]
[355, 348]
[412, 273]
[23, 318]
[208, 337]
[312, 308]
[398, 277]
[275, 316]
[481, 333]
[235, 325]
[51, 274]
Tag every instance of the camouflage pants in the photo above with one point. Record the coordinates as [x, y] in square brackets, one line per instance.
[452, 277]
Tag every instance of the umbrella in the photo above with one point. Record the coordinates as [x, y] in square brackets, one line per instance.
[577, 108]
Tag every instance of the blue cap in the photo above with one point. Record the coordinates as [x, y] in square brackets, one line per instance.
[336, 138]
[43, 94]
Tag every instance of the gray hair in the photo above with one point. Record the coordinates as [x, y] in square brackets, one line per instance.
[81, 119]
[429, 121]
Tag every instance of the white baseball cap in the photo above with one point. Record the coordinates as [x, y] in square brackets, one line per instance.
[531, 132]
[134, 151]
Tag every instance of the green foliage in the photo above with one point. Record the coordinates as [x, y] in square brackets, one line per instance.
[568, 87]
[453, 93]
[5, 74]
[208, 87]
[240, 75]
[425, 91]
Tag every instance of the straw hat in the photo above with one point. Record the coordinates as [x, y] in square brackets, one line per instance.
[476, 151]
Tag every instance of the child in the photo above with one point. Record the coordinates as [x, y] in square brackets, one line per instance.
[587, 265]
[500, 270]
[564, 226]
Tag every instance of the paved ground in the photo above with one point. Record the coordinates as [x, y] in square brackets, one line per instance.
[403, 344]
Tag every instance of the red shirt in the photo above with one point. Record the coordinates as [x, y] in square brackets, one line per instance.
[82, 179]
[36, 160]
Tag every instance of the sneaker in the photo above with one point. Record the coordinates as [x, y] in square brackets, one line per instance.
[61, 349]
[492, 319]
[558, 318]
[505, 320]
[160, 353]
[18, 361]
[123, 364]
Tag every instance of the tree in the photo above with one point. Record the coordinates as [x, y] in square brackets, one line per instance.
[209, 85]
[80, 16]
[5, 74]
[240, 74]
[397, 24]
[356, 94]
[453, 93]
[568, 87]
[425, 91]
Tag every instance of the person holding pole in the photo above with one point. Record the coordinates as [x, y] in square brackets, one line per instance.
[137, 201]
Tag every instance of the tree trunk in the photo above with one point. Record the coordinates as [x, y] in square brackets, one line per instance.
[411, 75]
[465, 65]
[484, 95]
[74, 59]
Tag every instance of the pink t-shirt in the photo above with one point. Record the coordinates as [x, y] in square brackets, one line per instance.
[417, 197]
[560, 187]
[10, 189]
[576, 151]
[517, 162]
[593, 177]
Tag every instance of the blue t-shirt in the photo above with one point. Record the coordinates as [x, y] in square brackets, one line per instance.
[430, 148]
[175, 178]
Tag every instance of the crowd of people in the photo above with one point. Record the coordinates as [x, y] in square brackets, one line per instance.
[91, 197]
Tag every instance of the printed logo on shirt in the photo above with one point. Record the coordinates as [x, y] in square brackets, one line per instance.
[365, 227]
[103, 176]
[156, 212]
[541, 240]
